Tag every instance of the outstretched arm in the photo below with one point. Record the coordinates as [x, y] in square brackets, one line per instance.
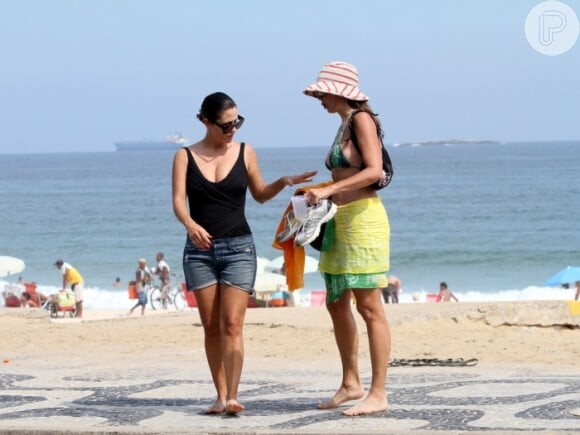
[263, 192]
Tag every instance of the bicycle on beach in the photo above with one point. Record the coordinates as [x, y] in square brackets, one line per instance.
[174, 297]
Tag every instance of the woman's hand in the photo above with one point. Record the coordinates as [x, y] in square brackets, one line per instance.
[314, 196]
[305, 177]
[199, 237]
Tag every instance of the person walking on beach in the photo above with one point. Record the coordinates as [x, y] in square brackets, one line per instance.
[358, 259]
[162, 270]
[445, 295]
[142, 280]
[219, 258]
[577, 296]
[72, 276]
[391, 292]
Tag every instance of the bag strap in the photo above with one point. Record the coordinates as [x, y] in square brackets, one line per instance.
[353, 134]
[387, 164]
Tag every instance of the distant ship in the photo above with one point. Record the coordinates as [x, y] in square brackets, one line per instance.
[171, 143]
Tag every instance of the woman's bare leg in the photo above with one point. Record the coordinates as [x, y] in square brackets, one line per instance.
[346, 336]
[233, 310]
[370, 307]
[208, 303]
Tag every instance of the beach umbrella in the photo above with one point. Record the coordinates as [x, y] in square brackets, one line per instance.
[310, 264]
[567, 275]
[10, 266]
[268, 281]
[262, 263]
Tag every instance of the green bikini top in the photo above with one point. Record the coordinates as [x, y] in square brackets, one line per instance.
[336, 158]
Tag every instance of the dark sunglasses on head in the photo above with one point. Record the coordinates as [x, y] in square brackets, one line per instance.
[318, 94]
[227, 127]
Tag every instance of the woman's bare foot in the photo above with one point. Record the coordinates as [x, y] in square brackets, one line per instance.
[233, 407]
[217, 408]
[343, 395]
[368, 406]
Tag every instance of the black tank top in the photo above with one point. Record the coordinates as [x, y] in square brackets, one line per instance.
[219, 207]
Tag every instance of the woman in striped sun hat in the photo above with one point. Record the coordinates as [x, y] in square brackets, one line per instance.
[357, 260]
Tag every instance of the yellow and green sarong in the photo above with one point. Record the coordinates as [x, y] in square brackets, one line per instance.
[355, 253]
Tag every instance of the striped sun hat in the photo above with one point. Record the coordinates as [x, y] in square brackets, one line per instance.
[337, 78]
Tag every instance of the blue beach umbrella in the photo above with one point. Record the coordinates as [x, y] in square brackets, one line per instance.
[567, 275]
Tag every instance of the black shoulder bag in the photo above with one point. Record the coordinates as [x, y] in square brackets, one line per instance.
[387, 164]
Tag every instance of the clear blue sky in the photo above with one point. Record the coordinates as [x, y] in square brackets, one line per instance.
[81, 75]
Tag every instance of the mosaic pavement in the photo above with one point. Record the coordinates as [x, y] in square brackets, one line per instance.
[170, 401]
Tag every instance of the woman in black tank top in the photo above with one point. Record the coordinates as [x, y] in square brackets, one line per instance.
[210, 181]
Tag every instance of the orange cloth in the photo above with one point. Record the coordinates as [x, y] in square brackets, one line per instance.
[294, 256]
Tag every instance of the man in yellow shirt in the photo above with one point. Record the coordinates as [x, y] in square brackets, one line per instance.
[72, 276]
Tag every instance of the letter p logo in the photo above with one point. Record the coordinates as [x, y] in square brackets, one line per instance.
[552, 28]
[551, 22]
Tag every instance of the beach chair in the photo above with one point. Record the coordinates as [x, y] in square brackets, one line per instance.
[65, 303]
[11, 295]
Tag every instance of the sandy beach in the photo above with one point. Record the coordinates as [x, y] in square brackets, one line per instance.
[509, 333]
[110, 373]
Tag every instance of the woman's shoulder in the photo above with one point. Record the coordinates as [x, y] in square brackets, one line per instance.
[362, 112]
[191, 147]
[249, 150]
[363, 116]
[365, 121]
[182, 152]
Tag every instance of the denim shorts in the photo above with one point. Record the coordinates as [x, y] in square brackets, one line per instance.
[230, 261]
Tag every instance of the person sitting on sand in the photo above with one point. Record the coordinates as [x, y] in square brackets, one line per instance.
[445, 295]
[32, 300]
[26, 301]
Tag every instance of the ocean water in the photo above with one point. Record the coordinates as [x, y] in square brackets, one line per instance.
[494, 221]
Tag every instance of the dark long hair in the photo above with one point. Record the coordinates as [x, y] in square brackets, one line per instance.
[213, 105]
[364, 106]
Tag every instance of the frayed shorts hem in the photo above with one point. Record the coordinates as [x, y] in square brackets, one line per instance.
[230, 261]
